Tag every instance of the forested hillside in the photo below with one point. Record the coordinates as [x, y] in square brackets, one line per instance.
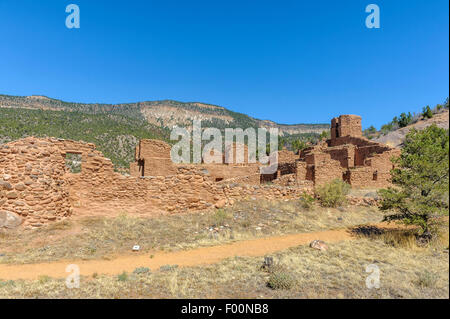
[115, 135]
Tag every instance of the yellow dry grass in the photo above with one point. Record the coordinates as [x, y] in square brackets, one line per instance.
[100, 237]
[339, 272]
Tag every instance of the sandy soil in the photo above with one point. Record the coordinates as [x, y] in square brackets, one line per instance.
[194, 257]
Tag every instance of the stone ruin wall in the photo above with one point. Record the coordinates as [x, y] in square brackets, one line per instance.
[32, 184]
[348, 156]
[346, 125]
[36, 186]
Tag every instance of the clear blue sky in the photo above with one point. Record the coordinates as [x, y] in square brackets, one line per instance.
[288, 61]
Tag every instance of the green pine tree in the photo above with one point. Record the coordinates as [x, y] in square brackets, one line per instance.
[421, 180]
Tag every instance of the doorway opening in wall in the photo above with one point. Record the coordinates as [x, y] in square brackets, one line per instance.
[141, 167]
[218, 179]
[73, 162]
[346, 177]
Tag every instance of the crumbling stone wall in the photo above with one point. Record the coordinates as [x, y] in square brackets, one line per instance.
[322, 168]
[32, 184]
[285, 156]
[344, 154]
[36, 187]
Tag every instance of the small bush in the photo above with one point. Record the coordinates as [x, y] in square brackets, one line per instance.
[7, 283]
[141, 270]
[168, 267]
[123, 276]
[43, 279]
[307, 201]
[280, 279]
[220, 217]
[333, 194]
[427, 279]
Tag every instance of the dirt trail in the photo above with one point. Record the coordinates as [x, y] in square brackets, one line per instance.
[194, 257]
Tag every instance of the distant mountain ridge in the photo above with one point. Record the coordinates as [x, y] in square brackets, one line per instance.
[164, 113]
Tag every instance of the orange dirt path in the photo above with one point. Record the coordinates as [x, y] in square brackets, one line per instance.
[185, 258]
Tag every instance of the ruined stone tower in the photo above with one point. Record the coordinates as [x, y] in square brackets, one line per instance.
[346, 125]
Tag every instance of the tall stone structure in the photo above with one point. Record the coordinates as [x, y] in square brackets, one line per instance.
[347, 155]
[346, 125]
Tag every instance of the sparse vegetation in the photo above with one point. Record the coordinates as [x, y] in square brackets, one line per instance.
[370, 132]
[100, 237]
[307, 201]
[220, 217]
[339, 273]
[427, 279]
[141, 270]
[325, 134]
[280, 278]
[123, 276]
[333, 194]
[406, 119]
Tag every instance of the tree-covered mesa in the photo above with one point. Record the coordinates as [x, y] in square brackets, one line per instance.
[421, 181]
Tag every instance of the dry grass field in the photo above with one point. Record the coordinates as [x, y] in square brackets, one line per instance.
[100, 237]
[302, 272]
[407, 270]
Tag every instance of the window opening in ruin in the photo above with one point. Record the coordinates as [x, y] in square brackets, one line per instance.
[73, 162]
[218, 179]
[375, 176]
